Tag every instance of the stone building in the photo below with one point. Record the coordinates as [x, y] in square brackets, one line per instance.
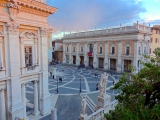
[23, 56]
[155, 38]
[58, 50]
[110, 49]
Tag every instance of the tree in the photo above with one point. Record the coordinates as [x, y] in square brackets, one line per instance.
[139, 94]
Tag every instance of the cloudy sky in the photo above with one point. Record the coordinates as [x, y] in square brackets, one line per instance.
[82, 15]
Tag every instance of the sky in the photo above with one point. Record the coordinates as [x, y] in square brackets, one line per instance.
[84, 15]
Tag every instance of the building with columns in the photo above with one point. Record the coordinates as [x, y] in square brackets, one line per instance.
[23, 57]
[110, 49]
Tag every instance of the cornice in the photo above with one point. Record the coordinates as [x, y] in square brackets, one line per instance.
[36, 5]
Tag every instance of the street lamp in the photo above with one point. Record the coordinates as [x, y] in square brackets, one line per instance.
[80, 85]
[57, 84]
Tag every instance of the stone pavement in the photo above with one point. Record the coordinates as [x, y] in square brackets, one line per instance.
[69, 100]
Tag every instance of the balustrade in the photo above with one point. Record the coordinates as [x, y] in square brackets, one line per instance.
[30, 69]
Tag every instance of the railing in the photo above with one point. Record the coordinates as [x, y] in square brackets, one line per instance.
[99, 114]
[2, 72]
[30, 69]
[118, 30]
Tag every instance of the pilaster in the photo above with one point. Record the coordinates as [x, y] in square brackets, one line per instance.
[70, 55]
[45, 103]
[135, 61]
[64, 55]
[86, 55]
[119, 62]
[95, 60]
[77, 56]
[16, 107]
[106, 64]
[2, 105]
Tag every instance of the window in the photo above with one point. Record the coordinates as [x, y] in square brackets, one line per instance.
[127, 50]
[100, 51]
[91, 48]
[67, 49]
[113, 50]
[81, 49]
[151, 39]
[156, 40]
[150, 51]
[139, 50]
[144, 50]
[28, 56]
[73, 49]
[157, 31]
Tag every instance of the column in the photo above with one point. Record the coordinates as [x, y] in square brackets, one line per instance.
[2, 105]
[106, 64]
[135, 61]
[16, 107]
[143, 42]
[119, 62]
[24, 100]
[35, 51]
[70, 54]
[22, 54]
[64, 50]
[95, 60]
[36, 111]
[77, 54]
[86, 61]
[122, 66]
[45, 102]
[1, 58]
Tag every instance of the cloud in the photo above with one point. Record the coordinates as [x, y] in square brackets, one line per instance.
[73, 15]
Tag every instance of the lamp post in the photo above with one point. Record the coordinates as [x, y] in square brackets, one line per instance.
[57, 84]
[80, 85]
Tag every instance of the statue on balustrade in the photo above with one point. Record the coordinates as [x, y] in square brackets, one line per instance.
[103, 84]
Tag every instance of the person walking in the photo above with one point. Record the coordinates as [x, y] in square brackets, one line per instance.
[97, 86]
[113, 82]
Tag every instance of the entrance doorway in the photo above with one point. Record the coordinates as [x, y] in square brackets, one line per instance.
[90, 61]
[113, 64]
[74, 59]
[127, 64]
[81, 60]
[67, 58]
[101, 62]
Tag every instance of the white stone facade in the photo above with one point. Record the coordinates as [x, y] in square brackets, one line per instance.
[23, 57]
[111, 49]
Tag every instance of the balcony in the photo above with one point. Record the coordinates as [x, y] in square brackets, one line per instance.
[81, 53]
[2, 72]
[30, 69]
[100, 54]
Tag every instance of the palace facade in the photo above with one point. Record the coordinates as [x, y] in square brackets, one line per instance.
[110, 49]
[155, 38]
[24, 40]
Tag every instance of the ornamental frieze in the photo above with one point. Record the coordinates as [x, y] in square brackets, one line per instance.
[45, 31]
[12, 28]
[14, 9]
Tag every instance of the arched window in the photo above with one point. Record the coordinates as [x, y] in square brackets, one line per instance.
[100, 49]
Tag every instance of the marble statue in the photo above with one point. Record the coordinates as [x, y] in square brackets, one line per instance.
[103, 84]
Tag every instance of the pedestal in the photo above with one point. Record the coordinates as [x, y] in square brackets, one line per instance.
[103, 101]
[54, 72]
[82, 117]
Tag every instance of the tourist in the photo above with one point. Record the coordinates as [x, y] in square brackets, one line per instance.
[96, 75]
[97, 86]
[113, 82]
[53, 76]
[60, 79]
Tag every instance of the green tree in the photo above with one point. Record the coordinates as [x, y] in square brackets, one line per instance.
[139, 94]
